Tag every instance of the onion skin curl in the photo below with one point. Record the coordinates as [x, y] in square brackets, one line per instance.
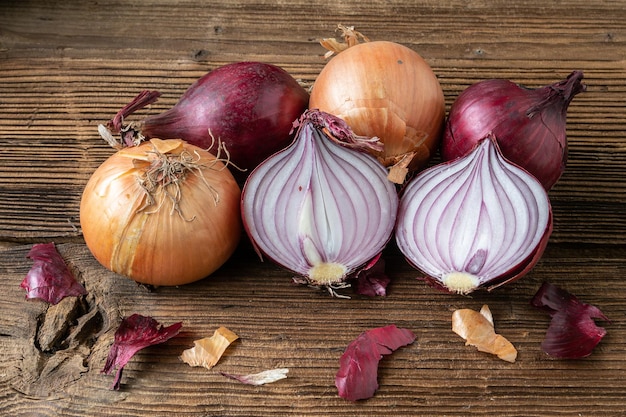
[386, 90]
[165, 243]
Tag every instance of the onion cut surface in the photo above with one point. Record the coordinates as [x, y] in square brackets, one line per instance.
[318, 208]
[473, 222]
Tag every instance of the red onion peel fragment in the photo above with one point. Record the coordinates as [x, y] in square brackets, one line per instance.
[475, 222]
[572, 332]
[49, 279]
[135, 333]
[357, 378]
[371, 280]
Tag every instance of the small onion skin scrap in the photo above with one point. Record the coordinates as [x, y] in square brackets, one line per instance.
[160, 244]
[386, 90]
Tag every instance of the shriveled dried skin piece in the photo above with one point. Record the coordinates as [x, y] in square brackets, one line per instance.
[357, 377]
[208, 351]
[135, 333]
[260, 378]
[478, 330]
[572, 333]
[50, 279]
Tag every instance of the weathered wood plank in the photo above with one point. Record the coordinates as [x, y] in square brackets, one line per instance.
[67, 66]
[283, 325]
[49, 142]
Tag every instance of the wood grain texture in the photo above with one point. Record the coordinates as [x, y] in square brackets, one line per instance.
[67, 66]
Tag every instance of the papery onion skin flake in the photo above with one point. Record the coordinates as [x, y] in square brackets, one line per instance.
[50, 279]
[572, 333]
[357, 377]
[133, 334]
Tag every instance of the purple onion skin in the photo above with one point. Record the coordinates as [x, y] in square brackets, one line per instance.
[528, 123]
[249, 106]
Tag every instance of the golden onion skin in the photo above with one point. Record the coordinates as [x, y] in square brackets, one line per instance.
[159, 245]
[387, 90]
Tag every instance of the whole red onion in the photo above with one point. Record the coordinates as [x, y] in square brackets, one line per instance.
[247, 106]
[528, 123]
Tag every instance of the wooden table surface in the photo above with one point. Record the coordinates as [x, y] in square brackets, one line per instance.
[66, 66]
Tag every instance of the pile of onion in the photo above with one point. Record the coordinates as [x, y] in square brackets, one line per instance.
[386, 90]
[161, 213]
[248, 107]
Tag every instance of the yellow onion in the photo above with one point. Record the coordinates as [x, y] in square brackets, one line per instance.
[162, 213]
[386, 90]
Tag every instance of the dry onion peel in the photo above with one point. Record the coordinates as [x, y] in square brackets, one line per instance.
[573, 332]
[357, 377]
[318, 208]
[162, 213]
[475, 222]
[133, 334]
[260, 378]
[208, 351]
[386, 90]
[50, 279]
[478, 330]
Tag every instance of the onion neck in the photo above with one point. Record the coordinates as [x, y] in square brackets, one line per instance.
[560, 93]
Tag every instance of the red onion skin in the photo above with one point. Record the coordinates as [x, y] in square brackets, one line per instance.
[572, 333]
[248, 106]
[528, 123]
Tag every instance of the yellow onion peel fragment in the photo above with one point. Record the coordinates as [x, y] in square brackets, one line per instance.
[208, 351]
[478, 330]
[260, 378]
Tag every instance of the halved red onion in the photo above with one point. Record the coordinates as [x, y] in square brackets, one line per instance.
[477, 221]
[318, 208]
